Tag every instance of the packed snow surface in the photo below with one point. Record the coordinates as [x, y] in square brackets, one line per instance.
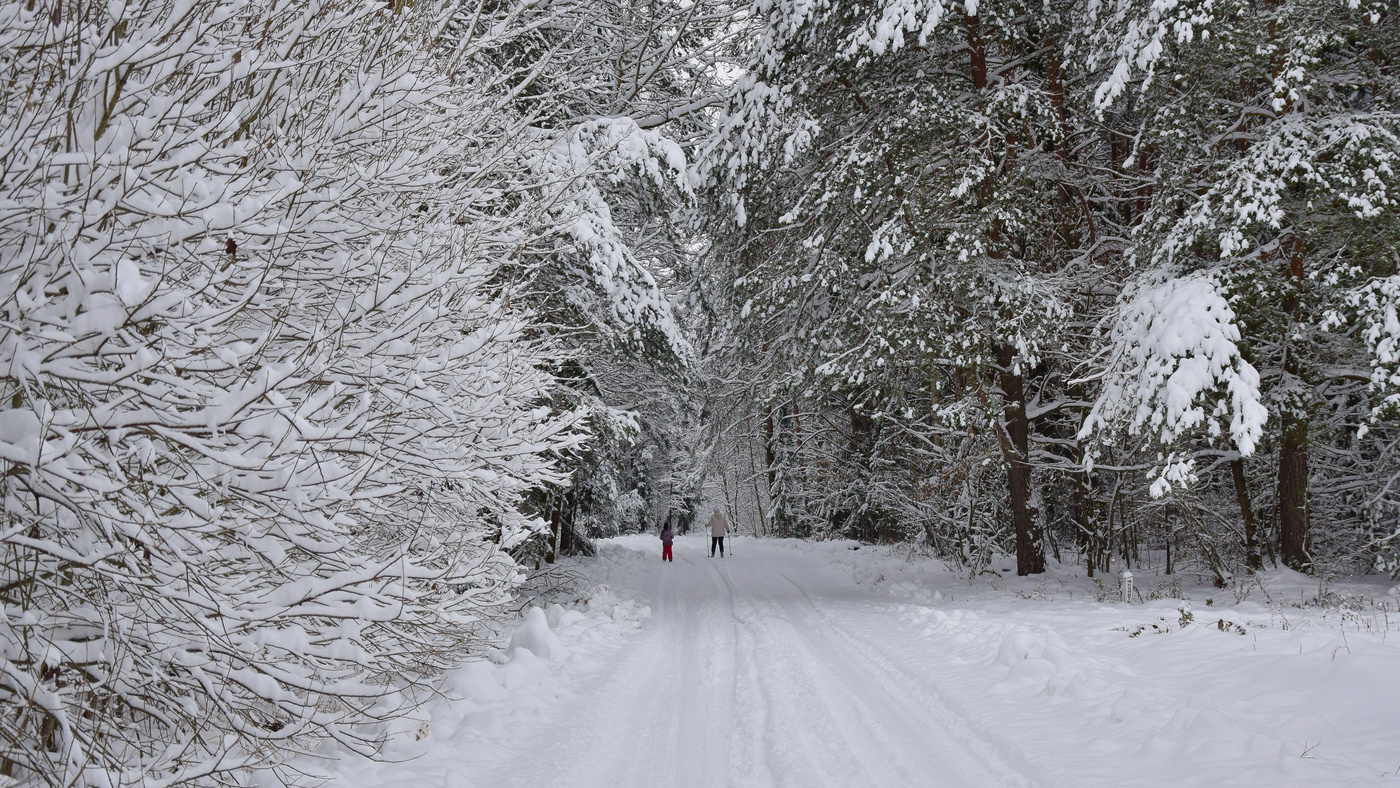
[799, 664]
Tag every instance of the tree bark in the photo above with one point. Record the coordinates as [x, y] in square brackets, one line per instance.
[556, 521]
[797, 446]
[1106, 554]
[976, 51]
[1251, 539]
[1055, 84]
[1015, 443]
[770, 454]
[1293, 492]
[764, 522]
[1083, 491]
[1082, 496]
[1293, 439]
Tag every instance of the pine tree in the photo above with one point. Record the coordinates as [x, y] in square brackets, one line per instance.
[917, 216]
[1269, 132]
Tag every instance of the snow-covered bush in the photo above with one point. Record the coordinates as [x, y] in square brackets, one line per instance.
[267, 414]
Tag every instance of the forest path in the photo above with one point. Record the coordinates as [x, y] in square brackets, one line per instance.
[764, 668]
[812, 664]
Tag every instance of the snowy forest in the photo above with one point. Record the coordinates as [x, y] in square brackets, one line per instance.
[329, 324]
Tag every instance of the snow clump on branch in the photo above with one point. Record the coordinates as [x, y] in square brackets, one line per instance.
[1175, 345]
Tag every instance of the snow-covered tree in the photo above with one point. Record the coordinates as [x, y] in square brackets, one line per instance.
[617, 94]
[1268, 139]
[914, 228]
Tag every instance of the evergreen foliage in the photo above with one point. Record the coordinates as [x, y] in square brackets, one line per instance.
[1073, 275]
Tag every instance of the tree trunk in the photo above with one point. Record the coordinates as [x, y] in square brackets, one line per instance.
[1251, 539]
[1086, 536]
[797, 447]
[1015, 444]
[935, 398]
[1054, 78]
[1168, 542]
[1106, 553]
[763, 520]
[1293, 491]
[1123, 537]
[730, 496]
[770, 454]
[1293, 439]
[1081, 488]
[860, 431]
[556, 522]
[1082, 497]
[977, 53]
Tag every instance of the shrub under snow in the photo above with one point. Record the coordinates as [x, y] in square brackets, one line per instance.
[267, 420]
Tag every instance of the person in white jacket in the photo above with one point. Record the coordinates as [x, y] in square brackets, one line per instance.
[719, 528]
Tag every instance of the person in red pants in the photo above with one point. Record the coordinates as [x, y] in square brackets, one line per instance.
[666, 537]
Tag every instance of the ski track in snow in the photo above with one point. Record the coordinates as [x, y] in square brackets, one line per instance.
[746, 677]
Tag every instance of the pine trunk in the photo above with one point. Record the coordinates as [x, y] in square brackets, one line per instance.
[770, 455]
[977, 53]
[556, 519]
[1293, 492]
[1082, 497]
[1015, 443]
[1083, 514]
[1251, 539]
[1293, 439]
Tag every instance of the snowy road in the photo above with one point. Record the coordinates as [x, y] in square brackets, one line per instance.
[814, 664]
[760, 669]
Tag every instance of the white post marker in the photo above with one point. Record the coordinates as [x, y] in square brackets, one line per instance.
[1127, 586]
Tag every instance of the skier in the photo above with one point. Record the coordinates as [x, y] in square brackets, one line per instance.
[718, 528]
[666, 536]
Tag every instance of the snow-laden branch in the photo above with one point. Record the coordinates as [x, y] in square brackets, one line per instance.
[268, 415]
[1175, 368]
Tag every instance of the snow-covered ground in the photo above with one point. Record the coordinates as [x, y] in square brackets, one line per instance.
[800, 664]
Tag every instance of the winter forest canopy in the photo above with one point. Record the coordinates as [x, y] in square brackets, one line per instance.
[325, 323]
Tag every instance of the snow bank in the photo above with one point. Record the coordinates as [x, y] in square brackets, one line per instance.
[1284, 680]
[536, 636]
[482, 705]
